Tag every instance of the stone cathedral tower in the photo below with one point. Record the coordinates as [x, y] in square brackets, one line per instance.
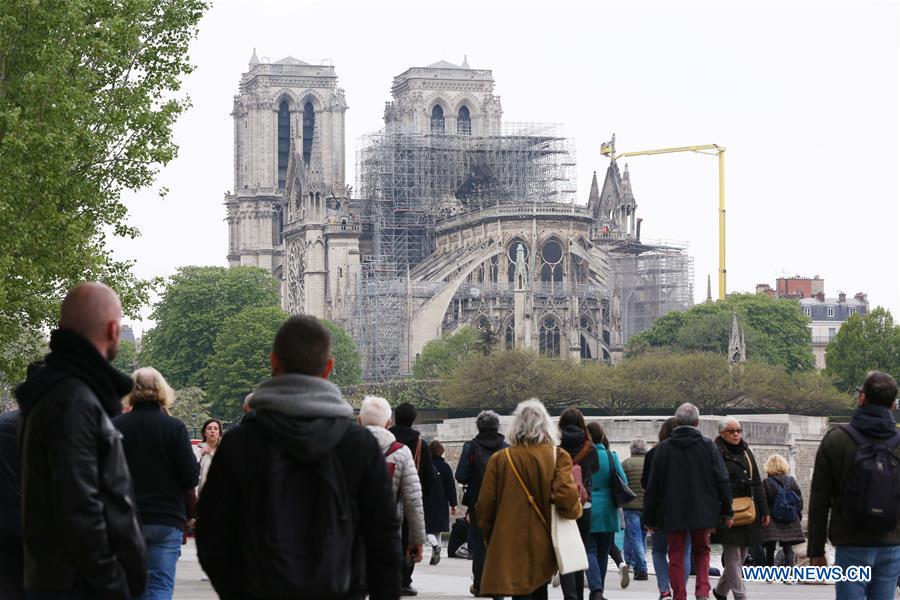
[284, 110]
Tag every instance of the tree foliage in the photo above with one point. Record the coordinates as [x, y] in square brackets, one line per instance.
[862, 344]
[192, 408]
[195, 304]
[347, 359]
[440, 356]
[240, 358]
[88, 98]
[775, 330]
[419, 393]
[127, 358]
[658, 379]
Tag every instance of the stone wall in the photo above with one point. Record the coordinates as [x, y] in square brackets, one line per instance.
[795, 437]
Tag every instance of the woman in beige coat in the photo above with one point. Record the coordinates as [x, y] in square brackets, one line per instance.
[520, 560]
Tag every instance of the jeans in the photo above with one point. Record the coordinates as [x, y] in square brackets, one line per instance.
[598, 559]
[885, 563]
[163, 550]
[677, 541]
[635, 550]
[661, 561]
[788, 553]
[475, 540]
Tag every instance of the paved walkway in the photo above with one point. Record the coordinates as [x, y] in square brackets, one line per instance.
[450, 580]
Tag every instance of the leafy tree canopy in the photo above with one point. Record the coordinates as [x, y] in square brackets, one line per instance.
[862, 344]
[775, 330]
[127, 358]
[195, 304]
[88, 98]
[240, 358]
[440, 356]
[192, 408]
[347, 360]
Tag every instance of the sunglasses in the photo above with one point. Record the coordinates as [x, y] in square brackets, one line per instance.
[732, 431]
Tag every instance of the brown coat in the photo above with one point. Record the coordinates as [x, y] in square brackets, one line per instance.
[520, 555]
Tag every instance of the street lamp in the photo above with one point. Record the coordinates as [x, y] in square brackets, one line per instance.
[609, 149]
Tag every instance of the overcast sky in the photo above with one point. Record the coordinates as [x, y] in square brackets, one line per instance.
[804, 96]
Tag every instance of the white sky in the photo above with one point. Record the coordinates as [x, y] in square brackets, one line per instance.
[803, 95]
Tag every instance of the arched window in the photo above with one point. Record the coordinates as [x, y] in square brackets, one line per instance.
[437, 119]
[551, 259]
[549, 337]
[509, 335]
[464, 121]
[585, 348]
[309, 128]
[512, 254]
[284, 141]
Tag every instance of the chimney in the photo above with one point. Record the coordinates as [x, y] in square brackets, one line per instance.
[842, 297]
[820, 296]
[861, 297]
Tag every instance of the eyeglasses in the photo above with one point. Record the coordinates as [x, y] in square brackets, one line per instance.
[732, 431]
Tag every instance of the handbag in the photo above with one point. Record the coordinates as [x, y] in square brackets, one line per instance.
[622, 494]
[744, 508]
[564, 534]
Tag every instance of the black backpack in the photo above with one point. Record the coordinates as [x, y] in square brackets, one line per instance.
[305, 552]
[871, 495]
[478, 460]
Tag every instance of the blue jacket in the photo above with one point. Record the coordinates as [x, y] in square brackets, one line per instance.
[604, 512]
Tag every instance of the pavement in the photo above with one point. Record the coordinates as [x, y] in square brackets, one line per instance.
[450, 580]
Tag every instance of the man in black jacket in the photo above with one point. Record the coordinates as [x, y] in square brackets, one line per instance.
[298, 501]
[688, 493]
[82, 538]
[11, 559]
[404, 417]
[469, 472]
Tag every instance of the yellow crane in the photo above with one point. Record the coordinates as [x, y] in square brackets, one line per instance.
[609, 149]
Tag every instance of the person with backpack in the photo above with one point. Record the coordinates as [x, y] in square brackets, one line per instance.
[575, 440]
[786, 509]
[854, 493]
[443, 501]
[298, 501]
[404, 417]
[751, 511]
[470, 472]
[375, 415]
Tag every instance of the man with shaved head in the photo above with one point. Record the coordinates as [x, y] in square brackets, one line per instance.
[82, 537]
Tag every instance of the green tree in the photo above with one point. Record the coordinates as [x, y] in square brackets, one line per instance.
[775, 330]
[862, 344]
[440, 356]
[194, 306]
[192, 408]
[127, 358]
[240, 358]
[347, 359]
[88, 99]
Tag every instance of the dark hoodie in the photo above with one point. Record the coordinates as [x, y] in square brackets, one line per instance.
[688, 487]
[575, 441]
[411, 437]
[472, 461]
[79, 521]
[306, 418]
[834, 461]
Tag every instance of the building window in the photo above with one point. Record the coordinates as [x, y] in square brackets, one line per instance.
[437, 119]
[830, 312]
[549, 337]
[309, 128]
[512, 254]
[464, 121]
[284, 142]
[807, 311]
[851, 311]
[832, 331]
[551, 257]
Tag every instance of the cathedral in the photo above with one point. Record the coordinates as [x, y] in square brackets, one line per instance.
[457, 218]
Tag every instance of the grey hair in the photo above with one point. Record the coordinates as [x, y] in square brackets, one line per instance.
[687, 414]
[488, 420]
[638, 447]
[375, 411]
[723, 423]
[531, 425]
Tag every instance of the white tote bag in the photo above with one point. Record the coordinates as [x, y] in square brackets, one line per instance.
[570, 553]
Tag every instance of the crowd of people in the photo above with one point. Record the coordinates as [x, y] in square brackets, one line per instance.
[308, 498]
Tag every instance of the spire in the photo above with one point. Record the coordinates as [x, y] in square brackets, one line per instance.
[708, 289]
[465, 64]
[254, 60]
[594, 196]
[737, 352]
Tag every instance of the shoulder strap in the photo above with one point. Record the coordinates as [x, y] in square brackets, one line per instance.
[418, 456]
[780, 484]
[749, 463]
[525, 488]
[857, 436]
[393, 448]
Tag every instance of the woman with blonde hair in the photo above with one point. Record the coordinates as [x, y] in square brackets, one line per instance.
[786, 507]
[520, 485]
[163, 468]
